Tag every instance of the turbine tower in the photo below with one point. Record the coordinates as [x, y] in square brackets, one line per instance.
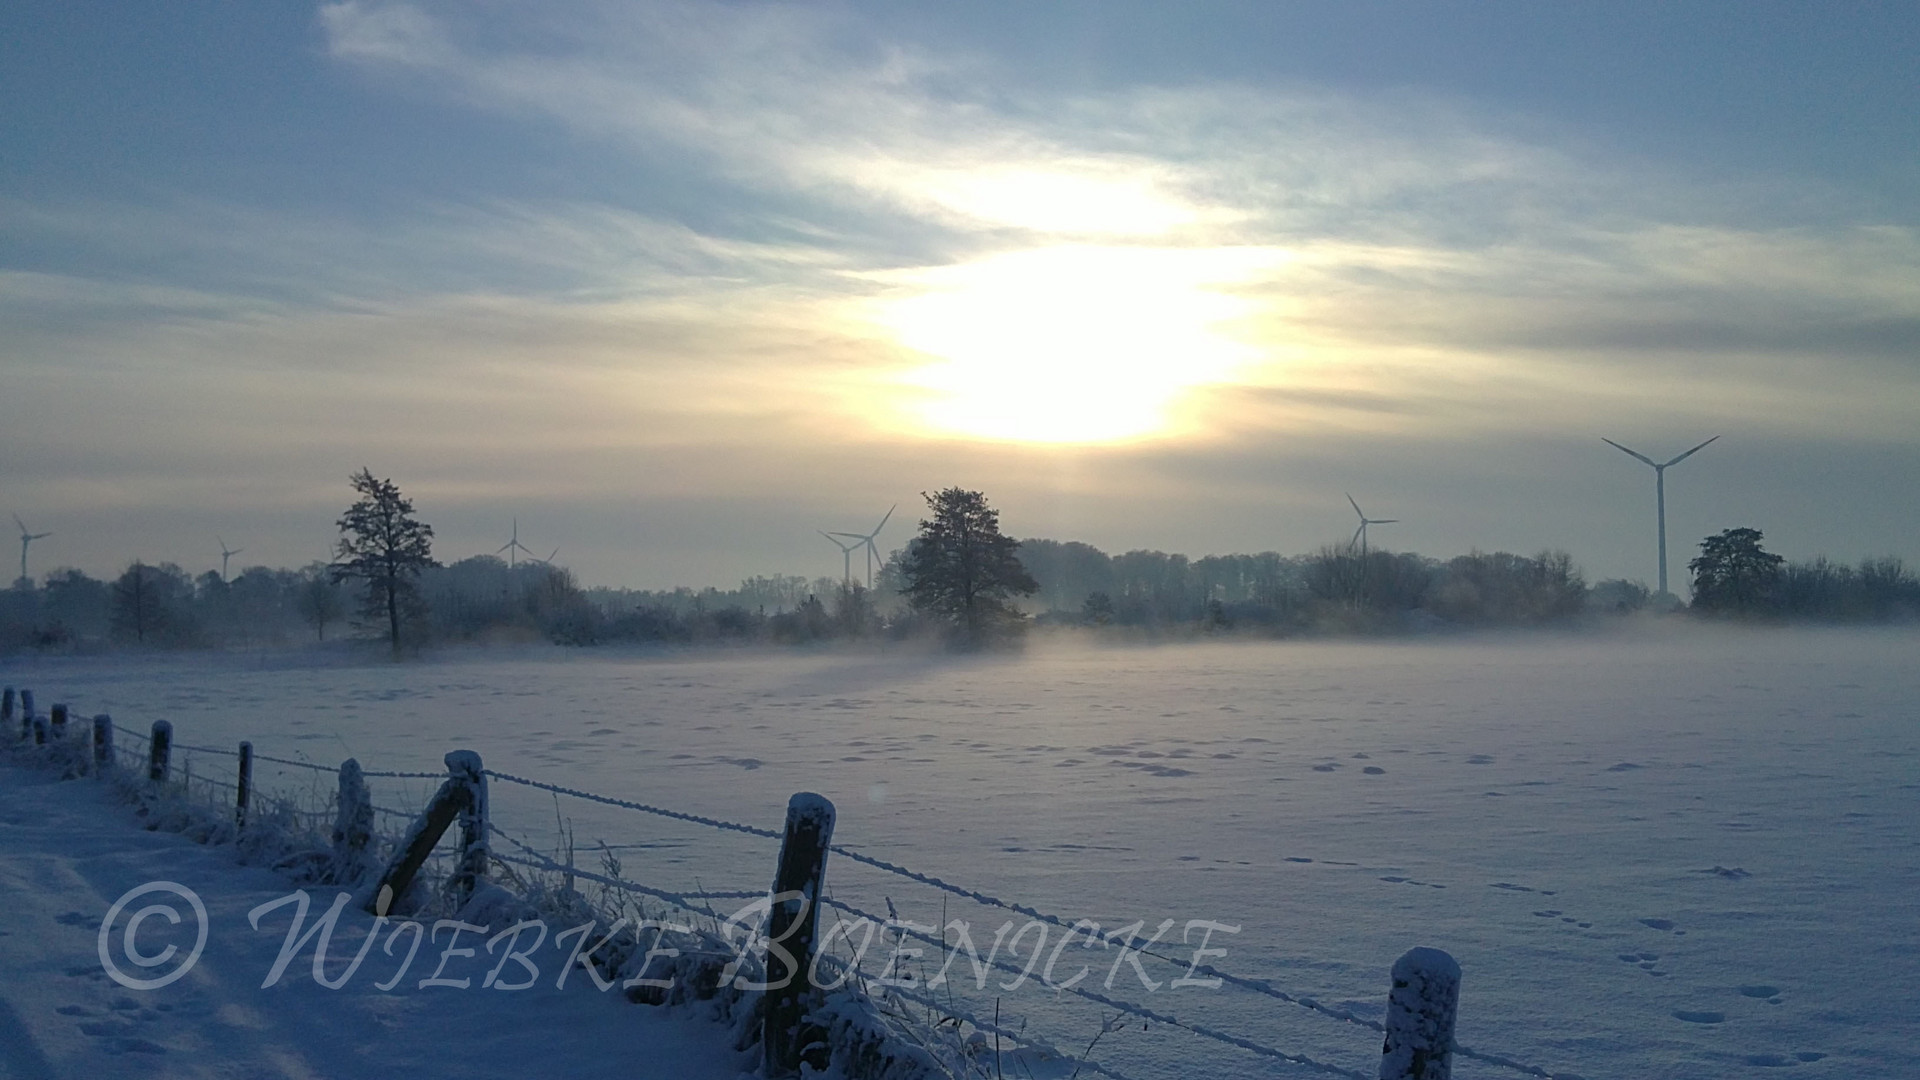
[25, 539]
[1660, 494]
[226, 554]
[846, 552]
[512, 548]
[1360, 534]
[866, 540]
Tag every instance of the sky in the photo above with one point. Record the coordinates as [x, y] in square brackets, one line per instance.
[676, 285]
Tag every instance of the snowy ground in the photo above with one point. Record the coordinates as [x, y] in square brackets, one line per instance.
[70, 852]
[1673, 852]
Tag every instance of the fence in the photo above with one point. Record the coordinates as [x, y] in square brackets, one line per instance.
[1417, 1032]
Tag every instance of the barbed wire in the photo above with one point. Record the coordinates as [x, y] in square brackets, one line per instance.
[539, 861]
[716, 823]
[1118, 1004]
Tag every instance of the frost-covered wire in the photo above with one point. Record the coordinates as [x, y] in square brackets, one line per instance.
[716, 823]
[1141, 1011]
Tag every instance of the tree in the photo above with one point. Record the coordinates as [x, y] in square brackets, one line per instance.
[149, 605]
[1733, 573]
[319, 602]
[385, 546]
[961, 569]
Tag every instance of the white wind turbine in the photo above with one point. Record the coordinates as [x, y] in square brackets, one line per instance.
[866, 540]
[1360, 534]
[225, 554]
[25, 539]
[1660, 494]
[513, 548]
[846, 552]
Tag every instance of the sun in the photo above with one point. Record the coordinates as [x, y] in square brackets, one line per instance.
[1073, 343]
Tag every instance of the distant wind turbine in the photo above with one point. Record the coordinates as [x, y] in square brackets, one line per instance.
[866, 540]
[1360, 534]
[1660, 493]
[846, 552]
[513, 548]
[226, 554]
[25, 539]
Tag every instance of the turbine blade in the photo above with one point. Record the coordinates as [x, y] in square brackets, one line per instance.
[508, 546]
[1355, 542]
[1356, 507]
[1635, 453]
[1383, 521]
[1689, 453]
[22, 524]
[883, 521]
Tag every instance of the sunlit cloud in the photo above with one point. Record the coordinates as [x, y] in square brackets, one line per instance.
[1073, 343]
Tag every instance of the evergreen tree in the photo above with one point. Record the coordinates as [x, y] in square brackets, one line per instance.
[961, 569]
[1733, 573]
[385, 546]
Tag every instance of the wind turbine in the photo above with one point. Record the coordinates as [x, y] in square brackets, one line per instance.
[1660, 493]
[225, 554]
[512, 548]
[866, 540]
[1360, 534]
[846, 551]
[25, 539]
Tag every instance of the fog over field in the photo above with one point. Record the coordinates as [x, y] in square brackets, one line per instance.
[1655, 853]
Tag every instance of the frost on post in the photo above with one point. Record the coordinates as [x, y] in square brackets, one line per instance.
[792, 930]
[352, 826]
[1420, 1012]
[464, 767]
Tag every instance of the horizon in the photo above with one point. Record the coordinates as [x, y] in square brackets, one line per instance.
[680, 285]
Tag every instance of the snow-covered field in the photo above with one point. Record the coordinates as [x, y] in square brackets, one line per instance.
[1668, 851]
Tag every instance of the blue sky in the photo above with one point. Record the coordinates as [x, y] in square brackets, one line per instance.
[678, 284]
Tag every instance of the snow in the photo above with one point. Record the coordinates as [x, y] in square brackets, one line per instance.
[71, 851]
[1669, 853]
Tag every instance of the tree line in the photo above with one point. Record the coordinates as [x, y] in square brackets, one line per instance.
[960, 576]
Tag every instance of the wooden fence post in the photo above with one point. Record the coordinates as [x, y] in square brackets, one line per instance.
[39, 731]
[6, 706]
[1420, 1013]
[26, 713]
[462, 789]
[102, 742]
[474, 848]
[160, 751]
[352, 826]
[244, 787]
[793, 925]
[59, 722]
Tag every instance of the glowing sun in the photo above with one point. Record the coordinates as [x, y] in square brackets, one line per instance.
[1072, 344]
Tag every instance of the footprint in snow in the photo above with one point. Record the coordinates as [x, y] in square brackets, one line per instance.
[1693, 1017]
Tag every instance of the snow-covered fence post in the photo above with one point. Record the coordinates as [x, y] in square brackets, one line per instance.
[464, 765]
[160, 751]
[244, 786]
[463, 787]
[793, 926]
[39, 731]
[26, 713]
[6, 706]
[352, 826]
[1420, 1012]
[58, 720]
[102, 742]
